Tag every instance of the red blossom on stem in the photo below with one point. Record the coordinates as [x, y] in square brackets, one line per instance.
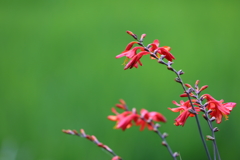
[116, 158]
[127, 118]
[135, 57]
[149, 116]
[124, 120]
[218, 108]
[185, 109]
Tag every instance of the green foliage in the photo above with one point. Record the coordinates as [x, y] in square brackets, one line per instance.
[58, 71]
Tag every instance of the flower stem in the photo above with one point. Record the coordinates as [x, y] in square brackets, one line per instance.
[162, 136]
[92, 139]
[211, 128]
[164, 142]
[160, 60]
[196, 116]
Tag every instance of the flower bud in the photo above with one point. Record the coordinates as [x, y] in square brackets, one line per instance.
[169, 63]
[132, 34]
[196, 83]
[212, 119]
[205, 117]
[210, 138]
[142, 37]
[188, 85]
[164, 135]
[180, 72]
[178, 80]
[164, 143]
[203, 88]
[175, 154]
[215, 129]
[209, 111]
[184, 95]
[169, 68]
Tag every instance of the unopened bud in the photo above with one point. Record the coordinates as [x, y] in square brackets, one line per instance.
[142, 37]
[149, 120]
[164, 143]
[215, 129]
[132, 34]
[175, 154]
[202, 109]
[170, 68]
[184, 95]
[196, 83]
[155, 51]
[162, 56]
[170, 63]
[188, 85]
[180, 72]
[82, 132]
[212, 119]
[148, 46]
[203, 88]
[161, 61]
[156, 126]
[189, 90]
[202, 98]
[210, 138]
[122, 101]
[205, 117]
[178, 80]
[209, 111]
[164, 135]
[205, 104]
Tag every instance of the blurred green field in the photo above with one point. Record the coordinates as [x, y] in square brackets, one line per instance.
[58, 71]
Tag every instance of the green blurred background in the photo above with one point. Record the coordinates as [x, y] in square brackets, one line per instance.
[58, 71]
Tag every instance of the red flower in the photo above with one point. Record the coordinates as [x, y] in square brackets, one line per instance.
[155, 116]
[218, 108]
[135, 60]
[122, 104]
[183, 108]
[124, 120]
[116, 158]
[135, 57]
[161, 50]
[130, 53]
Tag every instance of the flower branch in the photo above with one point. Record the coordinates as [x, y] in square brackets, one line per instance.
[94, 140]
[159, 53]
[145, 119]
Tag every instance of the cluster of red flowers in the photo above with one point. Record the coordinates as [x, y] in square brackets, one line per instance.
[216, 109]
[152, 49]
[125, 119]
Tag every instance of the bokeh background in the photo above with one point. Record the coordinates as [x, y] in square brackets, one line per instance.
[58, 71]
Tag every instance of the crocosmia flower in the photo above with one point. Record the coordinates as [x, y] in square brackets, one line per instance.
[146, 116]
[218, 108]
[133, 56]
[184, 109]
[124, 120]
